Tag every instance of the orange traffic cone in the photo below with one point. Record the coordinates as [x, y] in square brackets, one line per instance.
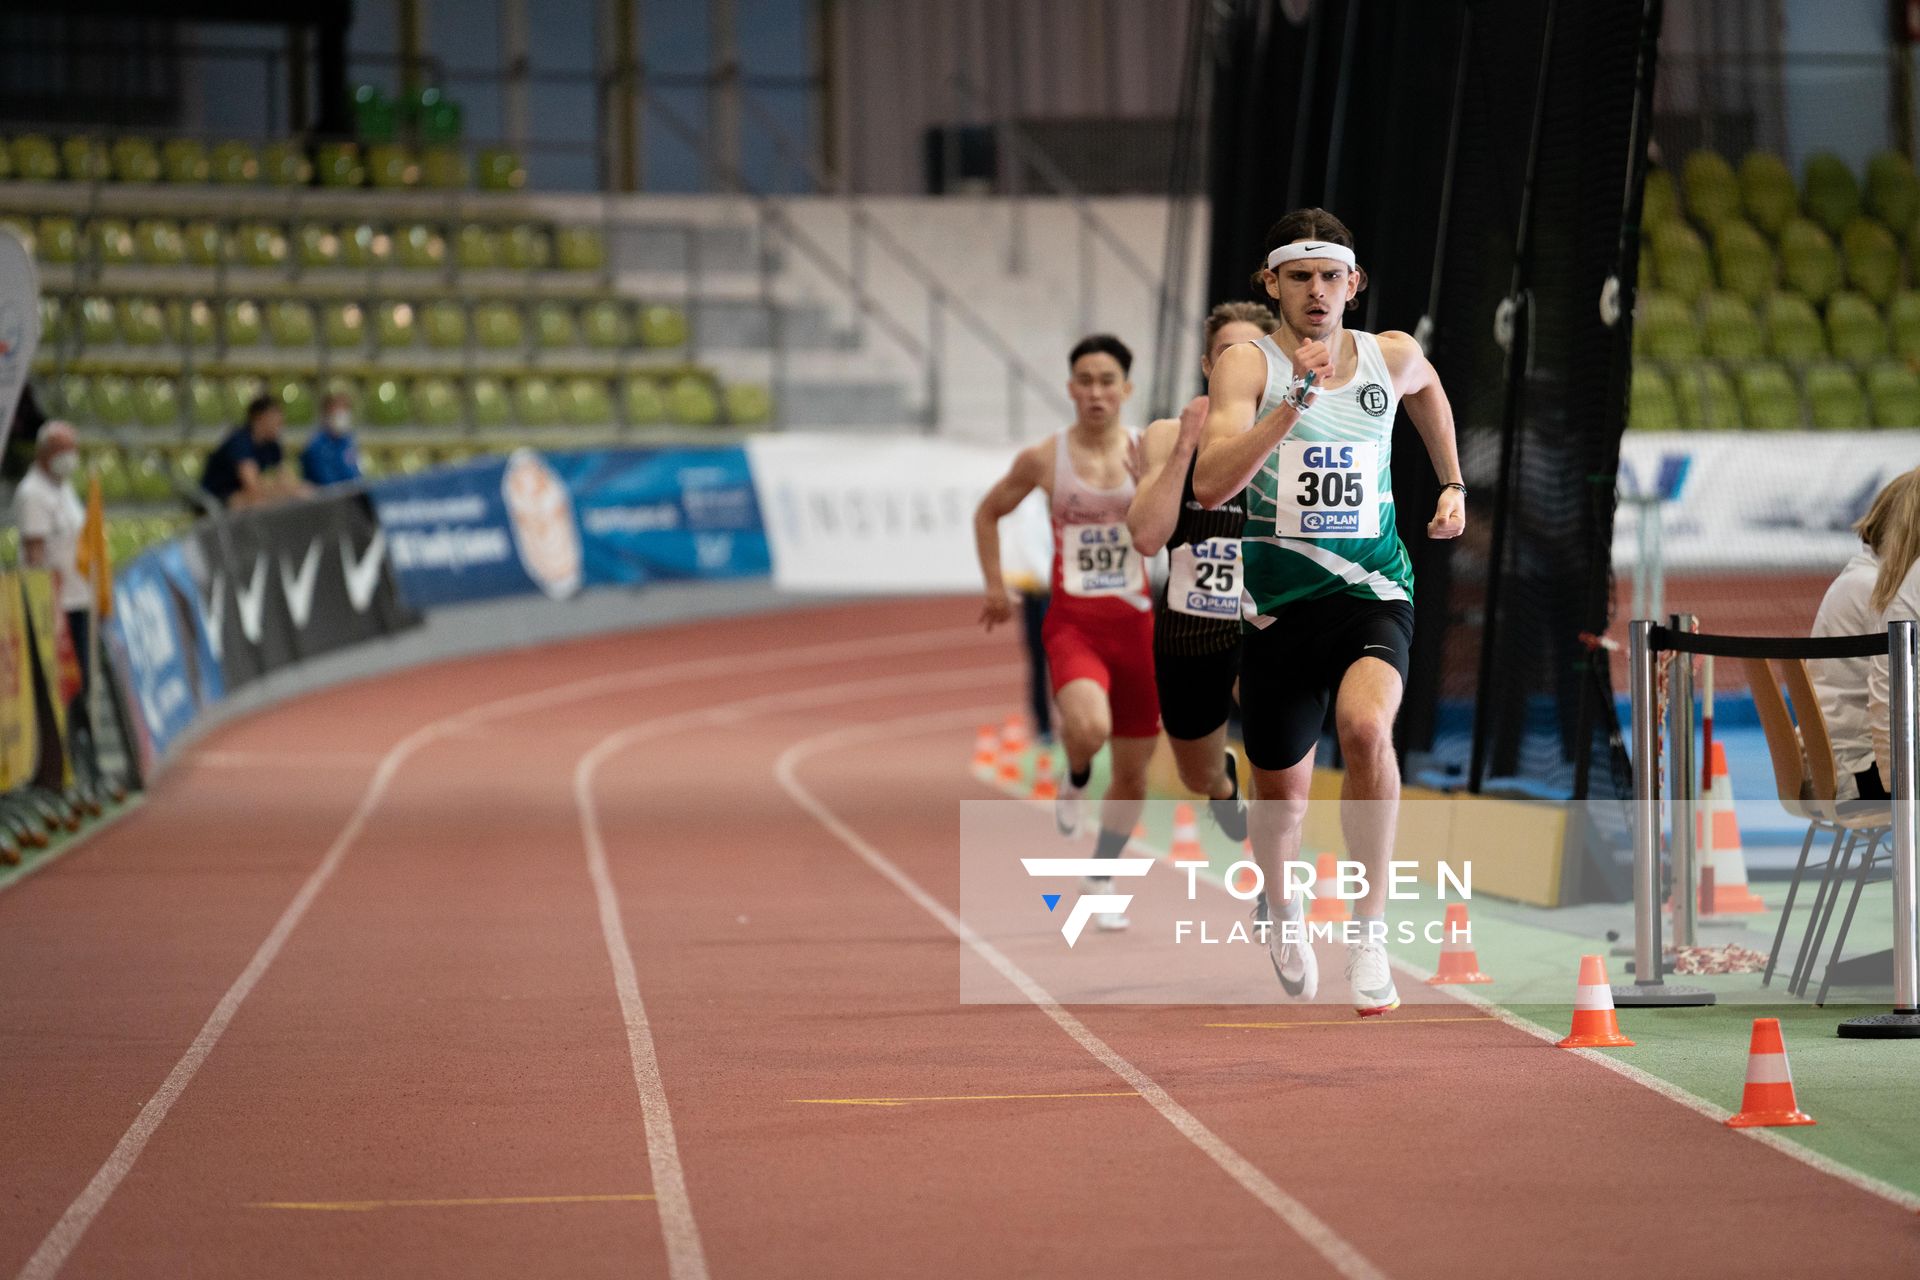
[1327, 905]
[1768, 1099]
[1044, 787]
[1595, 1025]
[1186, 835]
[1012, 746]
[1458, 961]
[1718, 837]
[1015, 730]
[1243, 879]
[985, 749]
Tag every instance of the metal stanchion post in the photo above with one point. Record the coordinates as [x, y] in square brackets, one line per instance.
[1680, 777]
[1647, 988]
[1903, 1023]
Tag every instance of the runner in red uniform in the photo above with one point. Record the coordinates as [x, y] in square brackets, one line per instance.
[1099, 628]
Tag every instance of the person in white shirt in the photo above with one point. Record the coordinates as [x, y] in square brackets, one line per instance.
[1879, 583]
[49, 516]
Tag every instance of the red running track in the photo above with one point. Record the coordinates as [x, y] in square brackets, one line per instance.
[520, 965]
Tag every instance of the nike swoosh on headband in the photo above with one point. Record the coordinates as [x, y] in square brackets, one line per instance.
[1311, 249]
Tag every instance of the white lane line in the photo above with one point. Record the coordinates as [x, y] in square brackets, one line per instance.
[1339, 1253]
[65, 1234]
[686, 1260]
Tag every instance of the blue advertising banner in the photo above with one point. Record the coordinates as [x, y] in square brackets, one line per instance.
[158, 628]
[671, 513]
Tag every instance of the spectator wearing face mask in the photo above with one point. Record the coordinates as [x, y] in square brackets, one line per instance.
[331, 456]
[49, 515]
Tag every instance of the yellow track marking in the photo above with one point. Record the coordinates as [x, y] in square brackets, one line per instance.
[959, 1097]
[1342, 1022]
[366, 1206]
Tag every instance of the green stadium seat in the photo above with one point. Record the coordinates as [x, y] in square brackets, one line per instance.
[113, 401]
[1680, 263]
[444, 325]
[393, 325]
[150, 475]
[1809, 263]
[142, 322]
[1744, 260]
[1854, 329]
[285, 164]
[584, 402]
[1651, 405]
[392, 166]
[135, 160]
[1731, 329]
[85, 159]
[1873, 259]
[1768, 399]
[365, 245]
[343, 324]
[53, 320]
[692, 400]
[604, 325]
[57, 239]
[207, 402]
[261, 244]
[184, 160]
[553, 325]
[1893, 193]
[373, 462]
[206, 243]
[663, 326]
[74, 398]
[112, 241]
[1767, 192]
[242, 323]
[116, 483]
[535, 403]
[433, 115]
[290, 324]
[1903, 318]
[579, 248]
[476, 248]
[1793, 328]
[156, 401]
[436, 403]
[35, 158]
[491, 405]
[419, 246]
[386, 403]
[1894, 390]
[297, 401]
[316, 245]
[192, 322]
[233, 164]
[1834, 400]
[241, 390]
[526, 248]
[411, 459]
[187, 461]
[750, 403]
[340, 384]
[1713, 193]
[444, 169]
[1664, 327]
[1832, 195]
[158, 242]
[496, 325]
[340, 165]
[643, 400]
[1705, 397]
[501, 170]
[97, 325]
[1658, 204]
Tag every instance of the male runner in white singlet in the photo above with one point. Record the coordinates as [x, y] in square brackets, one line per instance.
[1302, 421]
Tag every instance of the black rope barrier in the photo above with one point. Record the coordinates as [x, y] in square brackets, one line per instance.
[1666, 639]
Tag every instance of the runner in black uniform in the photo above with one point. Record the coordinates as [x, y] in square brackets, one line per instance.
[1196, 621]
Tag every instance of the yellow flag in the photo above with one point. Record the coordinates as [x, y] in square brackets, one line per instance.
[95, 565]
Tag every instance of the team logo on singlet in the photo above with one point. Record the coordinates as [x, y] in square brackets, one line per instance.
[1373, 398]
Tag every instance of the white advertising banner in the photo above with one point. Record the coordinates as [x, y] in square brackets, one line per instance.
[19, 324]
[1754, 500]
[890, 514]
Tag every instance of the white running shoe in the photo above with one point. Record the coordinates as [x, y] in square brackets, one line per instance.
[1371, 978]
[1068, 809]
[1110, 921]
[1293, 962]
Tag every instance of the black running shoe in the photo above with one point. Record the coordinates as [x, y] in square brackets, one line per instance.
[1231, 813]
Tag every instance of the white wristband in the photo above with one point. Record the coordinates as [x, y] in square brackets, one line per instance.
[1301, 391]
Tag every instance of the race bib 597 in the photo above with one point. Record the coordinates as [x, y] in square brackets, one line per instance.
[1099, 560]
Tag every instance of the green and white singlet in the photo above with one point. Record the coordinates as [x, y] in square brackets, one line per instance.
[1320, 509]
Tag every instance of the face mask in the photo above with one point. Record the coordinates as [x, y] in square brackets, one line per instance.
[62, 465]
[339, 422]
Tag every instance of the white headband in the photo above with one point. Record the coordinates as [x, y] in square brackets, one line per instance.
[1311, 249]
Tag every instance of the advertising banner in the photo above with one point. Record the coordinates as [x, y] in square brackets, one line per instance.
[161, 643]
[19, 725]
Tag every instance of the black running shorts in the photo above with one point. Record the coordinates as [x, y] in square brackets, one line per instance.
[1196, 693]
[1290, 668]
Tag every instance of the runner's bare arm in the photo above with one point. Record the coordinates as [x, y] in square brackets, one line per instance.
[1165, 450]
[1022, 478]
[1432, 416]
[1234, 445]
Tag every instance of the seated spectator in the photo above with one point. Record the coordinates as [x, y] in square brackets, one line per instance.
[1882, 578]
[244, 469]
[332, 456]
